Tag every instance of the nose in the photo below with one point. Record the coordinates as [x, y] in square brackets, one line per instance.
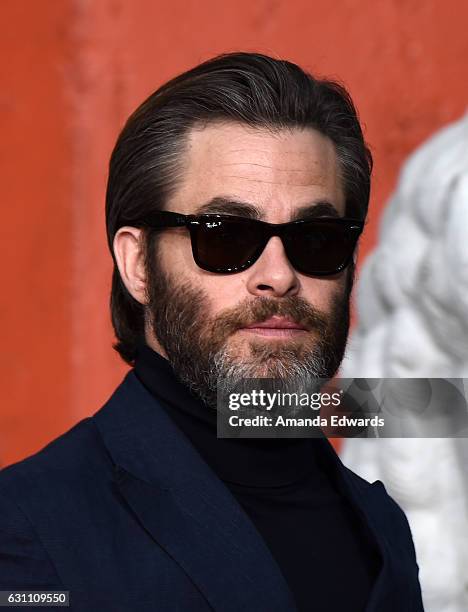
[272, 275]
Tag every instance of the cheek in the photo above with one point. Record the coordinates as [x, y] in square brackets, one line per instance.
[322, 293]
[175, 257]
[225, 291]
[174, 253]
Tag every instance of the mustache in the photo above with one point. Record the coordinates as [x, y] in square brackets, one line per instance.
[260, 309]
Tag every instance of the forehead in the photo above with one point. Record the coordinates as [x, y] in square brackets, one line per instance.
[277, 172]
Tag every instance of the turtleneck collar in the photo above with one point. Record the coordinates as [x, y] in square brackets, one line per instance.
[247, 462]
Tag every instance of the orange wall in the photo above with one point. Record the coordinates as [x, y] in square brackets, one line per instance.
[72, 71]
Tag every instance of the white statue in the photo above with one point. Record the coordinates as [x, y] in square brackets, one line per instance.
[412, 303]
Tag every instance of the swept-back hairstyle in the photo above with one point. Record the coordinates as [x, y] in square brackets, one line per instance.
[249, 88]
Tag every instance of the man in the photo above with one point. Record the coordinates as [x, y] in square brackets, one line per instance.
[236, 196]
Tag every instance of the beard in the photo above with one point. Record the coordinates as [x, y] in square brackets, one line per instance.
[207, 360]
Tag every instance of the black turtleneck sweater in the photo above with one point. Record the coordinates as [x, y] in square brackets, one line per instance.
[324, 551]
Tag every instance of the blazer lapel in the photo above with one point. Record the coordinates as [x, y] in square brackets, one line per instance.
[396, 586]
[185, 508]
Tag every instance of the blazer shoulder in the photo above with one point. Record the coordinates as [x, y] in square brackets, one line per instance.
[361, 483]
[364, 486]
[24, 561]
[74, 454]
[40, 491]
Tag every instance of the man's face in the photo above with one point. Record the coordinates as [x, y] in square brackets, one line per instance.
[205, 323]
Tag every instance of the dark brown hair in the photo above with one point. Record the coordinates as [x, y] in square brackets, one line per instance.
[249, 88]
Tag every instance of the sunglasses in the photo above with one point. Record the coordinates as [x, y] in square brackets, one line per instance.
[226, 244]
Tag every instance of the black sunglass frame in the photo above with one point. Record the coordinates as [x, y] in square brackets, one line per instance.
[168, 219]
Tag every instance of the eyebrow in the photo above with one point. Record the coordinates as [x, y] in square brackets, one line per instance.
[223, 205]
[226, 205]
[317, 209]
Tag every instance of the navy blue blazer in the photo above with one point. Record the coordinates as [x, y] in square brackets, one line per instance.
[124, 513]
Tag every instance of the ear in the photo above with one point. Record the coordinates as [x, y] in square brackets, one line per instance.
[355, 254]
[129, 255]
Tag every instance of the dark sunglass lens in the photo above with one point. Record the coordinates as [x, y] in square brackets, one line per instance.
[321, 248]
[224, 245]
